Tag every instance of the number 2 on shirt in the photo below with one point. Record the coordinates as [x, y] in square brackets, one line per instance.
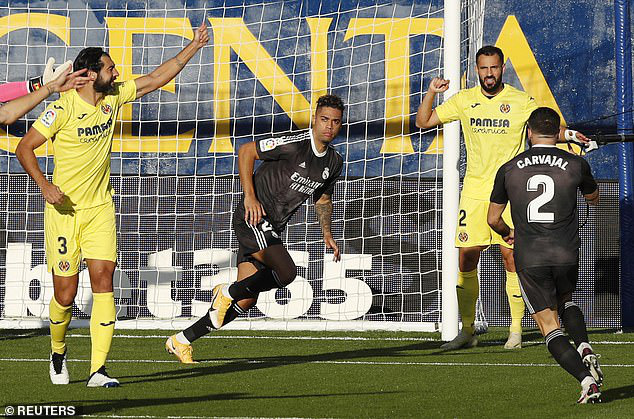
[548, 193]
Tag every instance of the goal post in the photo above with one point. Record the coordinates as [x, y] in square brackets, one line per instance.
[450, 173]
[174, 162]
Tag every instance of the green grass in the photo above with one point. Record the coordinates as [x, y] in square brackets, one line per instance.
[383, 375]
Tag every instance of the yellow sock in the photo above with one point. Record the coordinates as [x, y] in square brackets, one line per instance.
[516, 303]
[59, 317]
[101, 328]
[467, 290]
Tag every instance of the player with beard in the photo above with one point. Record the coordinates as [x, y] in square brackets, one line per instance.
[493, 116]
[294, 168]
[541, 185]
[79, 218]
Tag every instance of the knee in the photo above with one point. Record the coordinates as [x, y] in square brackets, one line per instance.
[101, 279]
[286, 275]
[467, 264]
[468, 260]
[65, 297]
[103, 272]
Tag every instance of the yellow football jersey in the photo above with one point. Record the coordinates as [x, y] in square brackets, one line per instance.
[82, 142]
[493, 132]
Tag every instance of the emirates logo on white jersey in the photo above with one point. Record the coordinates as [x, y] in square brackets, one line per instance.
[326, 173]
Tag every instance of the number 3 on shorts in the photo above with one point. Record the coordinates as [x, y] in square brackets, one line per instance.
[62, 245]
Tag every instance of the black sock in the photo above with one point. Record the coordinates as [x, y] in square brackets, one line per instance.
[251, 286]
[198, 329]
[566, 355]
[574, 322]
[232, 312]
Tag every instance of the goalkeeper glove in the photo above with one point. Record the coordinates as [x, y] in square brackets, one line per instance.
[49, 74]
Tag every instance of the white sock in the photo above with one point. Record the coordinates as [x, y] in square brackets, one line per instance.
[180, 337]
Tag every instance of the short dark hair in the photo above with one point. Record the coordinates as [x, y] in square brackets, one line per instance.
[330, 101]
[490, 50]
[90, 58]
[544, 121]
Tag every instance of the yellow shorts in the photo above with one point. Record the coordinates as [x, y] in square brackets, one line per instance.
[90, 233]
[473, 229]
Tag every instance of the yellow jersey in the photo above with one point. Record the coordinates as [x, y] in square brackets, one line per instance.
[82, 143]
[493, 132]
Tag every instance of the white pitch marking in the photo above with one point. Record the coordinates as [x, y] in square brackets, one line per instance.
[330, 338]
[253, 361]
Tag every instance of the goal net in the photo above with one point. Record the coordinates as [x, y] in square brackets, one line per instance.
[174, 161]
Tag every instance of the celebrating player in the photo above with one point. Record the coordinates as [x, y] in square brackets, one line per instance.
[19, 97]
[294, 167]
[79, 218]
[541, 185]
[493, 116]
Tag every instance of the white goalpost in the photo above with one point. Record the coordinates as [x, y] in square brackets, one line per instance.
[174, 162]
[450, 174]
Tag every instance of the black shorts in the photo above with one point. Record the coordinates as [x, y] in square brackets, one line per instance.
[251, 238]
[544, 286]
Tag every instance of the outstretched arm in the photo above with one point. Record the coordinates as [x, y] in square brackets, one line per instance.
[17, 108]
[426, 117]
[170, 68]
[323, 209]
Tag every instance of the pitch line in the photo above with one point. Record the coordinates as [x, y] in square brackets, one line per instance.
[330, 338]
[254, 361]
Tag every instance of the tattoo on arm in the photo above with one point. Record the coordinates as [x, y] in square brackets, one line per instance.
[324, 215]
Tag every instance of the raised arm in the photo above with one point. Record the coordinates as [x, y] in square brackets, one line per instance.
[494, 218]
[247, 155]
[170, 68]
[426, 117]
[17, 108]
[323, 209]
[26, 155]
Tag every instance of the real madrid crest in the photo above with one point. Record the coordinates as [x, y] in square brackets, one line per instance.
[326, 173]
